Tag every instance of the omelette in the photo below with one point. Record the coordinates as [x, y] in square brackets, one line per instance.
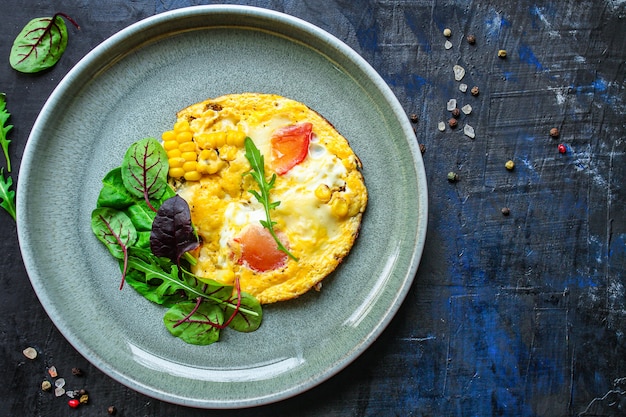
[317, 194]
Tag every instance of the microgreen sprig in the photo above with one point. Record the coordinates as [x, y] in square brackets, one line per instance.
[4, 129]
[7, 196]
[253, 155]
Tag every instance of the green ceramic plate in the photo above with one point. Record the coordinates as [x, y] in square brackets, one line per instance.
[130, 87]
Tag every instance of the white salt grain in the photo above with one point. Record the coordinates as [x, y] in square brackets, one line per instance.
[441, 126]
[451, 104]
[30, 353]
[58, 391]
[467, 109]
[59, 383]
[469, 131]
[459, 72]
[463, 87]
[447, 45]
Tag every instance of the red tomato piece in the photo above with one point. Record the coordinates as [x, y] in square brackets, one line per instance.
[259, 250]
[290, 145]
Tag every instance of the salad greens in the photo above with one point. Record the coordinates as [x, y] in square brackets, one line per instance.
[7, 196]
[148, 229]
[4, 129]
[256, 160]
[40, 44]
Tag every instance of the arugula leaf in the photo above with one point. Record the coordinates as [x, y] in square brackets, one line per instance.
[4, 129]
[194, 322]
[6, 194]
[40, 44]
[144, 170]
[257, 162]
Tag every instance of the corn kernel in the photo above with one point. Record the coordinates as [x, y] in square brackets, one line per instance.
[322, 193]
[189, 156]
[235, 138]
[183, 137]
[176, 172]
[228, 152]
[187, 147]
[169, 135]
[173, 153]
[193, 176]
[190, 166]
[208, 154]
[176, 162]
[181, 126]
[170, 144]
[339, 207]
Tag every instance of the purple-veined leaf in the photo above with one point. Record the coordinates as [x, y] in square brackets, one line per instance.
[40, 44]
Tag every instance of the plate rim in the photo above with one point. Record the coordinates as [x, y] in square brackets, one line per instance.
[248, 13]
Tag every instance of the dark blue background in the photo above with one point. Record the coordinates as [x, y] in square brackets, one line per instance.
[519, 315]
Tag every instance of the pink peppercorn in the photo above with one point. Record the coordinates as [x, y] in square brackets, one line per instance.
[74, 403]
[562, 148]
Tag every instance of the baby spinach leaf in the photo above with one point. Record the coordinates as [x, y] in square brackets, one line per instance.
[113, 228]
[172, 231]
[4, 129]
[114, 193]
[7, 196]
[194, 322]
[144, 170]
[141, 216]
[40, 44]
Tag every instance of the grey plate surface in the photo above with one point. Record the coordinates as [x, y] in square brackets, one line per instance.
[130, 87]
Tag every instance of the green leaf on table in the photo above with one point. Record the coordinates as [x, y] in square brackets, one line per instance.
[7, 196]
[4, 129]
[40, 44]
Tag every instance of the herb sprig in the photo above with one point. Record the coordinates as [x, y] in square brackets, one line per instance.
[4, 129]
[257, 162]
[6, 194]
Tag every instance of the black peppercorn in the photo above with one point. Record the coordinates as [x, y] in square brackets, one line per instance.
[77, 372]
[554, 132]
[471, 39]
[422, 148]
[505, 211]
[456, 112]
[112, 410]
[453, 123]
[414, 118]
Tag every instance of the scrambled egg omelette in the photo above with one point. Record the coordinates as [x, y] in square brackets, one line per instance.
[319, 187]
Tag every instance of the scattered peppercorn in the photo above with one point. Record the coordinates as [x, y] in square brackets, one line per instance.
[474, 91]
[82, 391]
[502, 53]
[112, 410]
[562, 148]
[453, 176]
[456, 112]
[447, 32]
[414, 118]
[471, 39]
[509, 165]
[74, 403]
[554, 132]
[453, 123]
[505, 211]
[46, 385]
[77, 372]
[422, 148]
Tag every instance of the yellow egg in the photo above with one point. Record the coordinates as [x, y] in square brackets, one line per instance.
[322, 196]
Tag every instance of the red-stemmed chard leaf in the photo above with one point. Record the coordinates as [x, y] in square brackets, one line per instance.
[40, 44]
[144, 170]
[116, 231]
[172, 231]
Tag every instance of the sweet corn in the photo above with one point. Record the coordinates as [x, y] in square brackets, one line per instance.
[176, 162]
[170, 144]
[183, 137]
[176, 172]
[169, 135]
[228, 152]
[187, 147]
[235, 138]
[173, 153]
[339, 207]
[322, 192]
[190, 166]
[181, 126]
[189, 156]
[193, 176]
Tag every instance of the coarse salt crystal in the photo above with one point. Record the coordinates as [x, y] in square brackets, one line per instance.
[469, 131]
[451, 104]
[447, 45]
[60, 383]
[441, 126]
[52, 371]
[467, 109]
[30, 353]
[58, 391]
[459, 72]
[463, 87]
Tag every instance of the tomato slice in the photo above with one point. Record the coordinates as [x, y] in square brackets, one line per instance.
[259, 250]
[290, 145]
